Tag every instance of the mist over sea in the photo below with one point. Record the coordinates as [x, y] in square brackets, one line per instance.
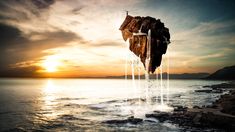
[83, 104]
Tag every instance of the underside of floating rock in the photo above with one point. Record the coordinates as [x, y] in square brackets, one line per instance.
[144, 33]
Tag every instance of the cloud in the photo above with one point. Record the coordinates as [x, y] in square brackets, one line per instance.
[24, 9]
[17, 47]
[27, 15]
[33, 29]
[204, 45]
[22, 72]
[41, 4]
[85, 33]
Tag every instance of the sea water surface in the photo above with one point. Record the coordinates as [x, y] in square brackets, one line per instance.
[83, 104]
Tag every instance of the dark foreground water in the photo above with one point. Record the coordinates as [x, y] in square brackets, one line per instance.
[83, 104]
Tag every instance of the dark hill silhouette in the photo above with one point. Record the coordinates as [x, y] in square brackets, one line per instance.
[226, 73]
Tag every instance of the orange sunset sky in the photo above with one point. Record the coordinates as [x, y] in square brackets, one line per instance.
[80, 38]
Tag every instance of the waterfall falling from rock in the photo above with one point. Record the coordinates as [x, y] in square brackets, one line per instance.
[139, 72]
[133, 72]
[155, 91]
[148, 41]
[161, 85]
[126, 66]
[168, 81]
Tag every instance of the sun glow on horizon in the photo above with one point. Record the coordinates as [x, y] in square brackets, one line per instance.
[51, 64]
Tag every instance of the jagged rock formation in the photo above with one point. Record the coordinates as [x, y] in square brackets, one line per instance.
[148, 38]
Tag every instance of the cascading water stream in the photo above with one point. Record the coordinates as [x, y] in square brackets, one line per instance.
[147, 61]
[137, 108]
[161, 86]
[168, 81]
[139, 69]
[156, 84]
[133, 72]
[126, 66]
[147, 87]
[142, 43]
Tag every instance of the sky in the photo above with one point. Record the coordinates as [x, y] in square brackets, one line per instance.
[81, 38]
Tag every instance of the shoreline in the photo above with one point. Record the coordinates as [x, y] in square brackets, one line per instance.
[220, 116]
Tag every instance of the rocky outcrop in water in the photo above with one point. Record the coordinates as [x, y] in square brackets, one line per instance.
[131, 120]
[218, 117]
[221, 114]
[148, 39]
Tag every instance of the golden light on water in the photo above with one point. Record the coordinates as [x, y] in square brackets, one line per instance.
[49, 92]
[49, 98]
[50, 87]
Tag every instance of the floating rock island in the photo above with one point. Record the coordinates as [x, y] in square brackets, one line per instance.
[148, 39]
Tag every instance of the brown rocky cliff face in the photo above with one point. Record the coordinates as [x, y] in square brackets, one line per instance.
[160, 38]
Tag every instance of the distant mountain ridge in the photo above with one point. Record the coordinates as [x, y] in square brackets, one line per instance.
[171, 76]
[226, 73]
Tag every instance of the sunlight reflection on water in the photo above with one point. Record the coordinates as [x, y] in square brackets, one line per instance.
[57, 93]
[66, 104]
[49, 99]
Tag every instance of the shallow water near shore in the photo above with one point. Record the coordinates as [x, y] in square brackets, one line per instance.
[83, 104]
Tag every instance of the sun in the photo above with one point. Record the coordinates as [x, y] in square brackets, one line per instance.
[51, 64]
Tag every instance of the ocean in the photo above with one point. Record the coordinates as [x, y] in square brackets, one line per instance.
[84, 104]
